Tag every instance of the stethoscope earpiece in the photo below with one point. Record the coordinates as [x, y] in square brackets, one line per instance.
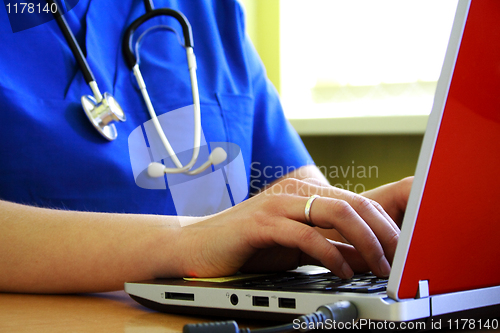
[102, 114]
[217, 156]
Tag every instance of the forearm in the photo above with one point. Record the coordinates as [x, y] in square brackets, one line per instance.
[54, 251]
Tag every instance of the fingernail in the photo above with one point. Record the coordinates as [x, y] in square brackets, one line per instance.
[384, 267]
[347, 271]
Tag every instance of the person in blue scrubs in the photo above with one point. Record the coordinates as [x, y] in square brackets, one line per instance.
[73, 218]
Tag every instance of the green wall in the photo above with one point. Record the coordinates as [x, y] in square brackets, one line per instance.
[376, 160]
[263, 27]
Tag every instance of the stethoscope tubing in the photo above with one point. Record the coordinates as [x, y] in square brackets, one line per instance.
[132, 63]
[127, 46]
[131, 60]
[73, 44]
[196, 113]
[77, 51]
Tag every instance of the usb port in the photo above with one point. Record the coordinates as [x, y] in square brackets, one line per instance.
[260, 301]
[179, 296]
[287, 303]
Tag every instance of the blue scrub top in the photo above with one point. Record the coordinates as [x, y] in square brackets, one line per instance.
[50, 154]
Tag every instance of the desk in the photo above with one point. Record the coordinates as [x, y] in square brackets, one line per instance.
[105, 312]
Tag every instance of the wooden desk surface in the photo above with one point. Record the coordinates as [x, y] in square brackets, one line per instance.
[105, 312]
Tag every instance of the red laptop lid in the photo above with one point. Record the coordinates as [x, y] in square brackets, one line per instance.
[456, 238]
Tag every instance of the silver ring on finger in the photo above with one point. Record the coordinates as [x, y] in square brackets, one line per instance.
[307, 210]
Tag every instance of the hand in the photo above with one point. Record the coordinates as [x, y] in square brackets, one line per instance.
[392, 197]
[268, 233]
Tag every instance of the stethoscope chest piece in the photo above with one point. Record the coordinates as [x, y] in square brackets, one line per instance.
[102, 114]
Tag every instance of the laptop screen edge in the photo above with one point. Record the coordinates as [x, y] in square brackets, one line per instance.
[427, 149]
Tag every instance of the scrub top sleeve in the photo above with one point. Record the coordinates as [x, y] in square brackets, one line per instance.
[276, 148]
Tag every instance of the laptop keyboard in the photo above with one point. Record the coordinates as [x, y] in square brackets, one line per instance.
[360, 283]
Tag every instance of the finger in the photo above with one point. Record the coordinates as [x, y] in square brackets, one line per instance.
[308, 187]
[366, 235]
[311, 186]
[381, 224]
[390, 249]
[370, 211]
[370, 224]
[293, 234]
[338, 214]
[362, 205]
[386, 215]
[352, 256]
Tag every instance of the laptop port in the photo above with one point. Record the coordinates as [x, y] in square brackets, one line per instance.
[287, 303]
[260, 301]
[179, 296]
[234, 299]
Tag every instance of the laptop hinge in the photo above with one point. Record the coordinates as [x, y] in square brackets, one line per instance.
[423, 289]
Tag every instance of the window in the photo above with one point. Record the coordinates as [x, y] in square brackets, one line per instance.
[362, 57]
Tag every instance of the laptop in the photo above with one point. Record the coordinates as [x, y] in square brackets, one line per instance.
[447, 258]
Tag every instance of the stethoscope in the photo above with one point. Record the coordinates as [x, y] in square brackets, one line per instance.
[104, 110]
